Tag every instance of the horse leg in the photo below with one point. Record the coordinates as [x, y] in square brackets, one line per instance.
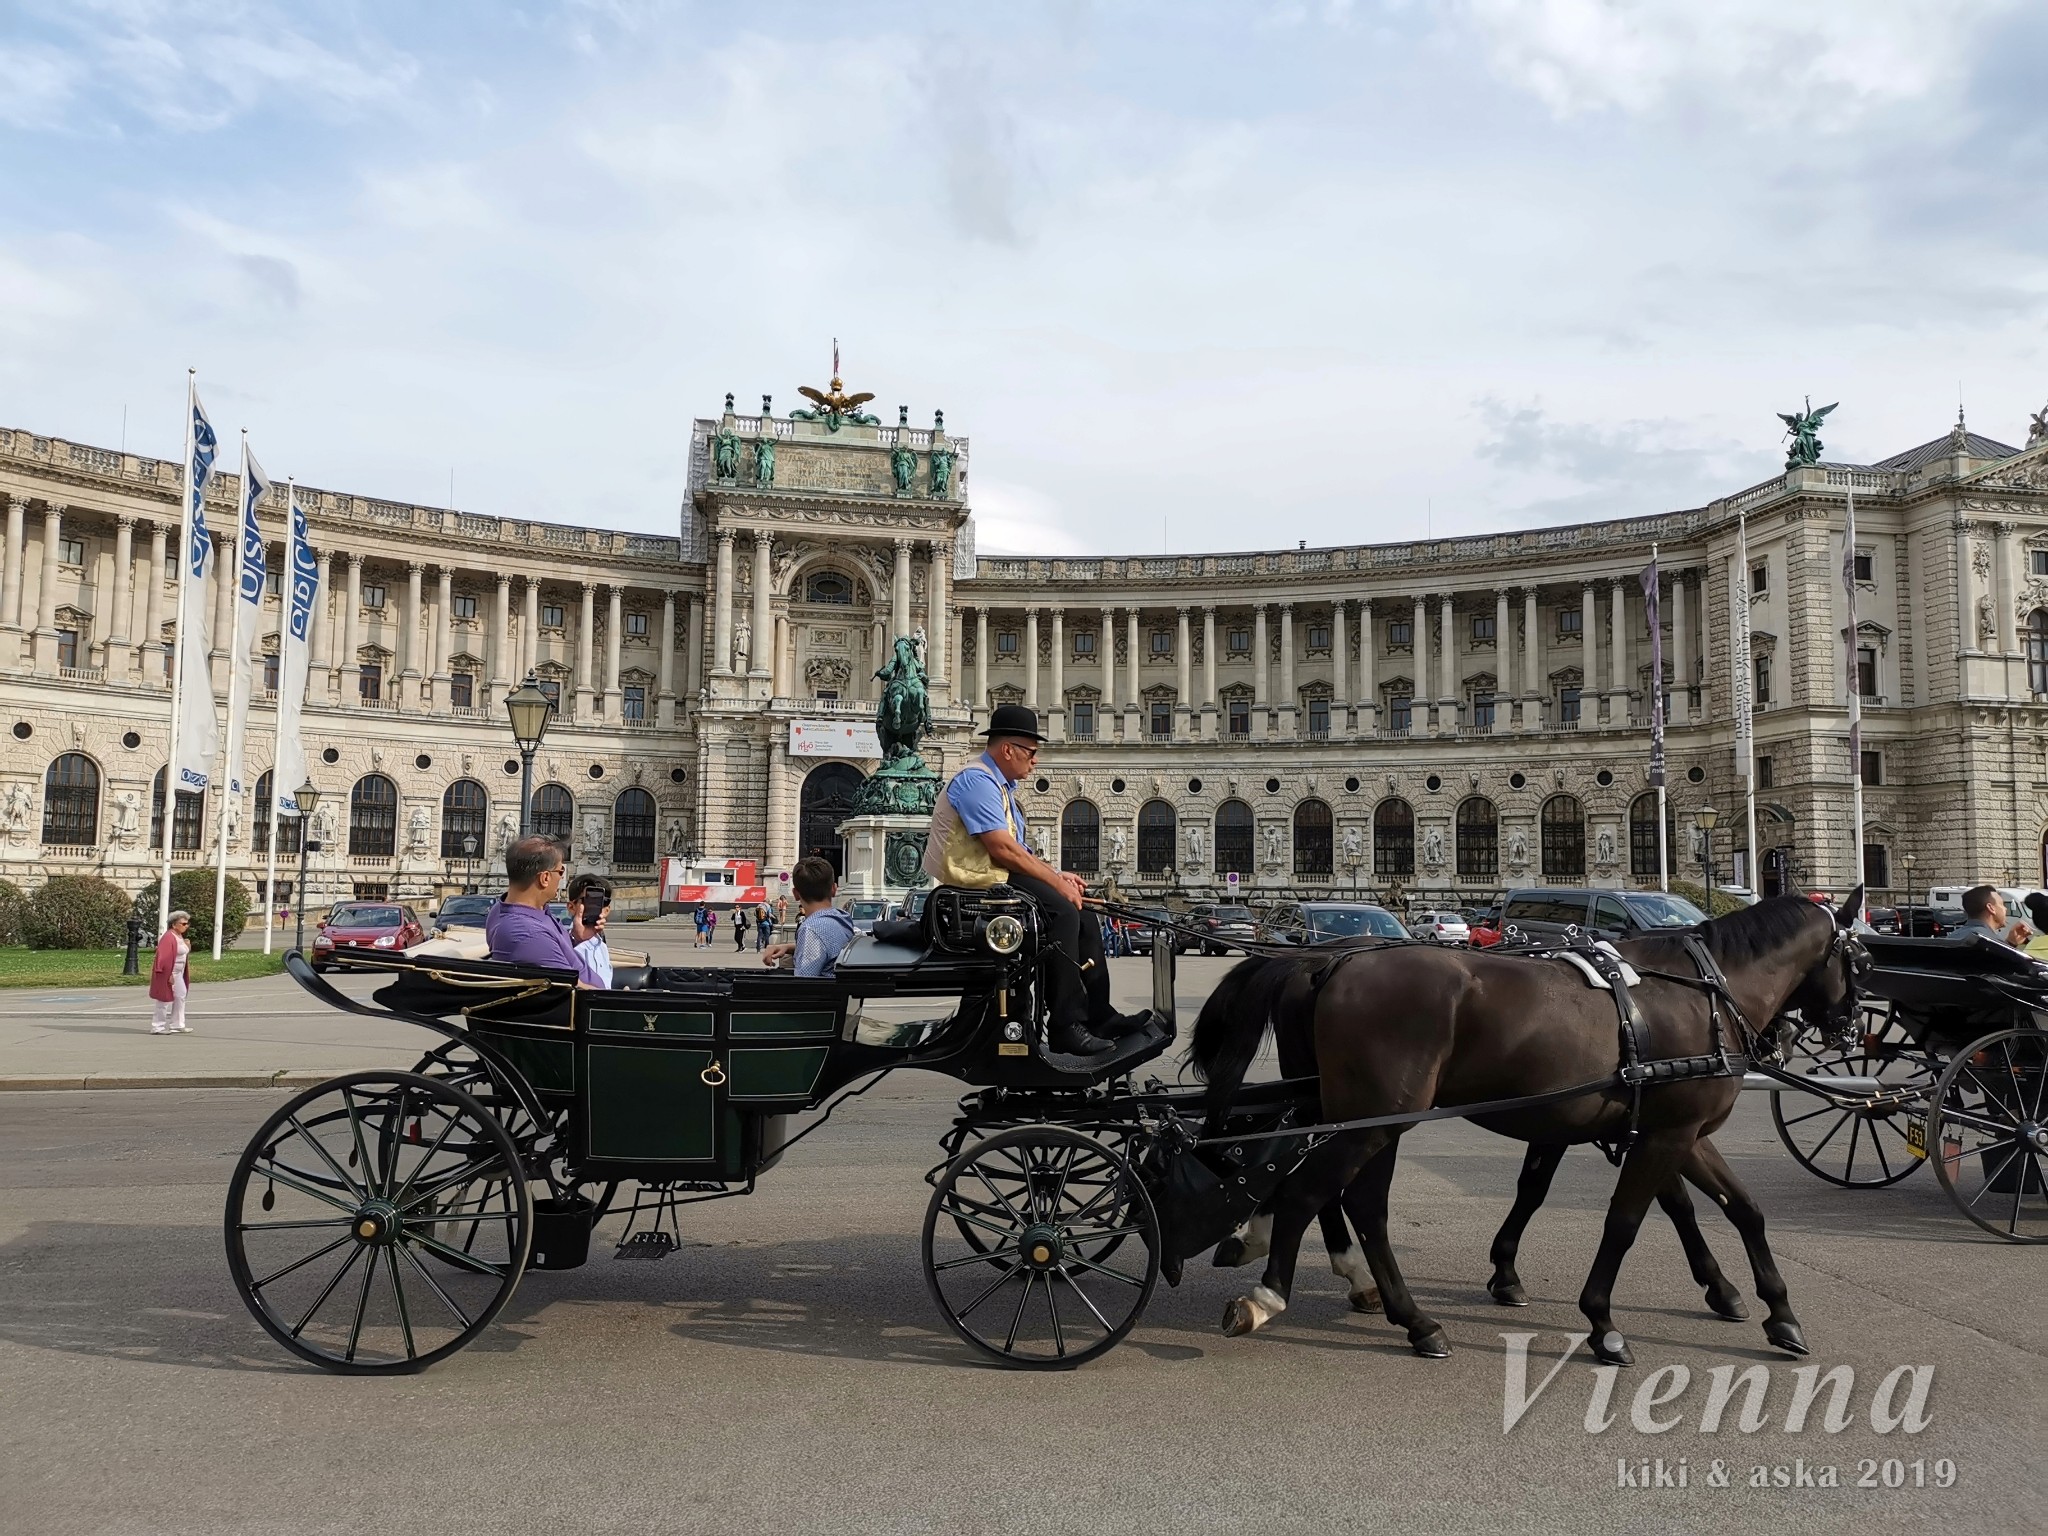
[1539, 1167]
[1347, 1260]
[1723, 1299]
[1705, 1167]
[1365, 1201]
[1647, 1168]
[1294, 1205]
[1253, 1240]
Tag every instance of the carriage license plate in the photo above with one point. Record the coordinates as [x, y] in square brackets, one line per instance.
[1012, 1048]
[1916, 1135]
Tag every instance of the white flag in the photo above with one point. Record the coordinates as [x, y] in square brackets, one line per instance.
[302, 589]
[198, 723]
[248, 609]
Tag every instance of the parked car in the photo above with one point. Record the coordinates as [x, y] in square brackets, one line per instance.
[366, 925]
[467, 911]
[1543, 914]
[559, 911]
[1329, 922]
[865, 912]
[1440, 928]
[912, 905]
[1141, 936]
[1884, 920]
[1222, 926]
[1919, 922]
[1486, 928]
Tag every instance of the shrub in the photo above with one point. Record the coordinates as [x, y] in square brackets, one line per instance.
[192, 890]
[76, 912]
[12, 905]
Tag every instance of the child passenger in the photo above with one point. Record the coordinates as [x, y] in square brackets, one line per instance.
[824, 930]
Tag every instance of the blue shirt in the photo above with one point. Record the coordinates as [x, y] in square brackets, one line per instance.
[819, 940]
[986, 802]
[521, 935]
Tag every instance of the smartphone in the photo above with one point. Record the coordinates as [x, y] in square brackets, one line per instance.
[594, 902]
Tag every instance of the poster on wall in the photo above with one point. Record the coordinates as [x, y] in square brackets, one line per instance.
[834, 738]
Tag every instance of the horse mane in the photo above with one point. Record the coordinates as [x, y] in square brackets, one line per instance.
[1758, 931]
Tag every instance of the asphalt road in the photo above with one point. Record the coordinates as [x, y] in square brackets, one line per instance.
[785, 1371]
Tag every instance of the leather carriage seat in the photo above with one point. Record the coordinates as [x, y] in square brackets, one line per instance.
[900, 943]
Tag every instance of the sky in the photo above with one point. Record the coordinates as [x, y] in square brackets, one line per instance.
[1189, 276]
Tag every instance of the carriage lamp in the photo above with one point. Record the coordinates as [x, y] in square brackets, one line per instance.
[529, 709]
[1004, 934]
[305, 797]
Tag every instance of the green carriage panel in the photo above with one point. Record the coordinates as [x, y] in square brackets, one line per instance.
[787, 1074]
[691, 1024]
[784, 1023]
[549, 1065]
[651, 1105]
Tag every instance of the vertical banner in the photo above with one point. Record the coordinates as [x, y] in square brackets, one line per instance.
[252, 571]
[1741, 681]
[302, 590]
[197, 724]
[1652, 613]
[1850, 672]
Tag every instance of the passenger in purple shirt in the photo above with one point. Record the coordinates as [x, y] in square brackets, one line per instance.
[518, 928]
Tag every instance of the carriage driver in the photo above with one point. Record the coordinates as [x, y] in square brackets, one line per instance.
[977, 840]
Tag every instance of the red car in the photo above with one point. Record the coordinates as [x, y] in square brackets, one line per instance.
[366, 925]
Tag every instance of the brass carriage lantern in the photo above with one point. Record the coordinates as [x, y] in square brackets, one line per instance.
[529, 709]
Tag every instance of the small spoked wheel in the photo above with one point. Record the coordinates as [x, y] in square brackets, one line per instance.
[1047, 1280]
[1988, 1134]
[378, 1222]
[1858, 1147]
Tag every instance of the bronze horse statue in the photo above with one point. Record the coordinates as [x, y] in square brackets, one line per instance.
[1404, 1029]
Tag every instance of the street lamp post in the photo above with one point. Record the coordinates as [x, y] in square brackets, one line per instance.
[469, 858]
[306, 798]
[1705, 818]
[529, 709]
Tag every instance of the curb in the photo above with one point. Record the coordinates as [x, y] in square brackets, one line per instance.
[289, 1078]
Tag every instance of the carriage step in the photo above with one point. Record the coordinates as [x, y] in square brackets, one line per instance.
[646, 1245]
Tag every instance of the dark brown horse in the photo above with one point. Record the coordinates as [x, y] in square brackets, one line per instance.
[1410, 1028]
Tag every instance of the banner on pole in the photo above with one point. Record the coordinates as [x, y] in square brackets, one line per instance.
[198, 721]
[252, 571]
[302, 588]
[1741, 667]
[1656, 699]
[1855, 693]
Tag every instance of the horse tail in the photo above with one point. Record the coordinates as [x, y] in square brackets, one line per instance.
[1233, 1024]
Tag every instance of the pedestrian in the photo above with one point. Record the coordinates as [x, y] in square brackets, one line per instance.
[782, 911]
[739, 928]
[764, 927]
[170, 978]
[703, 938]
[710, 925]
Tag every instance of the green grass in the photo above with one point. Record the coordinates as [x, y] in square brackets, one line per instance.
[102, 967]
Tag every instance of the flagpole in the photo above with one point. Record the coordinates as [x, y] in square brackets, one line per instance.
[1745, 721]
[170, 812]
[230, 791]
[276, 789]
[1653, 615]
[1855, 688]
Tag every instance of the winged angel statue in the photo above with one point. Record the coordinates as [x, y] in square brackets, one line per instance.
[1803, 428]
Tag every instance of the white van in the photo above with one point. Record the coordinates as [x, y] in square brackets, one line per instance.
[1952, 896]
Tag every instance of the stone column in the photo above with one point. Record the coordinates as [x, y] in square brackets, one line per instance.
[153, 608]
[1287, 699]
[1681, 653]
[1589, 656]
[352, 634]
[899, 592]
[665, 667]
[761, 662]
[409, 637]
[1447, 685]
[501, 644]
[1105, 657]
[119, 602]
[980, 699]
[1340, 667]
[530, 640]
[586, 642]
[1030, 641]
[693, 647]
[1183, 695]
[2005, 578]
[1134, 700]
[444, 643]
[10, 579]
[1368, 668]
[1532, 641]
[936, 660]
[778, 680]
[1262, 697]
[1617, 639]
[1966, 600]
[721, 608]
[46, 591]
[1420, 711]
[1209, 700]
[1056, 706]
[614, 627]
[1503, 654]
[956, 647]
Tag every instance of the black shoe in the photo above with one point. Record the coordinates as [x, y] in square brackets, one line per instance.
[1119, 1025]
[1075, 1040]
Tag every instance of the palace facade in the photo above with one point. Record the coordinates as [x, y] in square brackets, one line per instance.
[1434, 720]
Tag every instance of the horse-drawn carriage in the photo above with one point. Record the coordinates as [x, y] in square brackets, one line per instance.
[1944, 1065]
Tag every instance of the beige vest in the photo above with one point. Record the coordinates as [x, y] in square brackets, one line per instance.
[952, 854]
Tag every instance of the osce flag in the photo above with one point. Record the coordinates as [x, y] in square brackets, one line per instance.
[198, 725]
[248, 610]
[301, 591]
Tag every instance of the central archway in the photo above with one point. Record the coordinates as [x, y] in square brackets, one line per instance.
[827, 800]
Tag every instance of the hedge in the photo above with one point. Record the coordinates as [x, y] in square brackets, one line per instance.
[13, 905]
[76, 912]
[192, 890]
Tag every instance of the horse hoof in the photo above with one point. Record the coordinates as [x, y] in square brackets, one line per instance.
[1241, 1317]
[1432, 1345]
[1229, 1253]
[1366, 1301]
[1508, 1293]
[1727, 1304]
[1787, 1336]
[1612, 1349]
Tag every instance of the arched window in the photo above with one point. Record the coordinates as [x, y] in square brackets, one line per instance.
[2037, 650]
[633, 828]
[1314, 852]
[1080, 838]
[188, 822]
[1478, 840]
[554, 811]
[1393, 840]
[1564, 838]
[465, 812]
[1642, 837]
[826, 801]
[828, 587]
[287, 826]
[1233, 837]
[1155, 837]
[71, 802]
[373, 818]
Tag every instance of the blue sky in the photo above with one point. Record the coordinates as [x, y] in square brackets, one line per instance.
[1201, 276]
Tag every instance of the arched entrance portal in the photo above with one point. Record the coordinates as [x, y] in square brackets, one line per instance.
[827, 801]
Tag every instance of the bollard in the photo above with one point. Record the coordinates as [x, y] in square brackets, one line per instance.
[131, 966]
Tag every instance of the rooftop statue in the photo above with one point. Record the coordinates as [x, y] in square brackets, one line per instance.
[1804, 430]
[942, 473]
[835, 407]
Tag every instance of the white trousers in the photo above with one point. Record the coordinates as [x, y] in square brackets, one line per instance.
[168, 1016]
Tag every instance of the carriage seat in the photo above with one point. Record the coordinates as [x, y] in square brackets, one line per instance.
[946, 927]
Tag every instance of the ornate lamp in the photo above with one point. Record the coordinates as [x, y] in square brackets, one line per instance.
[529, 709]
[1705, 818]
[305, 797]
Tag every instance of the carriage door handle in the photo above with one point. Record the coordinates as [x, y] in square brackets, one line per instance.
[712, 1076]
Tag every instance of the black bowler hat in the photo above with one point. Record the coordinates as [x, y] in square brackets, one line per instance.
[1014, 720]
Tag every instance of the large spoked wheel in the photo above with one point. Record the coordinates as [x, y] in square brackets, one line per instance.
[1040, 1285]
[1858, 1147]
[1988, 1134]
[378, 1222]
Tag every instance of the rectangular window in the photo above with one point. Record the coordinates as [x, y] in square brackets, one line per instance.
[1763, 773]
[1482, 711]
[370, 681]
[1084, 642]
[1400, 712]
[1084, 719]
[633, 702]
[373, 597]
[1006, 642]
[270, 672]
[552, 687]
[1162, 642]
[1162, 718]
[1482, 628]
[70, 551]
[1568, 706]
[170, 661]
[1873, 767]
[1240, 642]
[462, 690]
[1763, 681]
[551, 616]
[463, 605]
[1240, 716]
[1400, 634]
[1866, 671]
[1319, 637]
[1319, 716]
[67, 647]
[2037, 562]
[1760, 579]
[636, 626]
[827, 694]
[1877, 867]
[1569, 621]
[1864, 563]
[273, 579]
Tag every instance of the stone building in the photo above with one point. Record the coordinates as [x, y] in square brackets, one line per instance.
[1436, 719]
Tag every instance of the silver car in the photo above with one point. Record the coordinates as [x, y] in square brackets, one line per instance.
[1440, 928]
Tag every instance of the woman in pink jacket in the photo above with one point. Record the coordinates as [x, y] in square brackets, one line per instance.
[170, 978]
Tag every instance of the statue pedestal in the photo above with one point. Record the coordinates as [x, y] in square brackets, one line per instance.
[884, 855]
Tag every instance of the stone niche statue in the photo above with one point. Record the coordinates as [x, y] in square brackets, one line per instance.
[127, 816]
[903, 466]
[1273, 836]
[323, 826]
[1118, 846]
[1987, 621]
[1603, 847]
[593, 836]
[417, 823]
[1354, 844]
[675, 836]
[1518, 849]
[742, 644]
[1195, 846]
[508, 832]
[15, 810]
[1433, 848]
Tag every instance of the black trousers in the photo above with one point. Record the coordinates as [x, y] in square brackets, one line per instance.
[1076, 996]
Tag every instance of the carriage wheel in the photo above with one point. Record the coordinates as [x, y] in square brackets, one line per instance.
[378, 1222]
[1988, 1134]
[1037, 1287]
[1857, 1148]
[1117, 1138]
